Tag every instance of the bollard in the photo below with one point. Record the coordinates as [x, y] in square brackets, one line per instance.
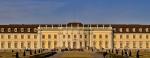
[17, 55]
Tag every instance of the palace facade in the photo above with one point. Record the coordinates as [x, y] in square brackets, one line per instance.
[74, 35]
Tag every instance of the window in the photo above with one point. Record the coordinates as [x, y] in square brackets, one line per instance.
[100, 44]
[140, 36]
[80, 36]
[94, 43]
[9, 44]
[35, 30]
[75, 36]
[9, 36]
[106, 44]
[133, 36]
[2, 44]
[55, 44]
[147, 37]
[22, 36]
[134, 44]
[68, 36]
[22, 44]
[55, 36]
[147, 44]
[28, 36]
[43, 36]
[140, 43]
[127, 44]
[15, 45]
[49, 36]
[2, 36]
[35, 36]
[106, 36]
[15, 36]
[28, 29]
[140, 29]
[147, 30]
[85, 36]
[64, 44]
[127, 29]
[120, 36]
[63, 36]
[15, 30]
[69, 46]
[22, 29]
[127, 36]
[133, 30]
[121, 44]
[49, 44]
[120, 29]
[29, 44]
[100, 36]
[2, 29]
[9, 29]
[35, 44]
[94, 36]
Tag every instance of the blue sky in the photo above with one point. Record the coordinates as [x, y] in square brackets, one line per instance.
[63, 11]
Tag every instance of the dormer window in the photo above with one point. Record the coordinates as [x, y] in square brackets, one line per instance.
[147, 30]
[9, 29]
[15, 30]
[2, 29]
[35, 30]
[114, 29]
[22, 29]
[120, 29]
[140, 29]
[28, 29]
[133, 29]
[127, 29]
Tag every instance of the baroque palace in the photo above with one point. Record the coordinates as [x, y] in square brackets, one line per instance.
[74, 35]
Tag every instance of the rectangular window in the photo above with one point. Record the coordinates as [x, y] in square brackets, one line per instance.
[94, 36]
[68, 36]
[9, 36]
[55, 44]
[147, 44]
[85, 36]
[140, 36]
[63, 36]
[29, 45]
[127, 44]
[2, 44]
[133, 36]
[15, 36]
[100, 44]
[140, 43]
[127, 36]
[35, 36]
[35, 44]
[43, 36]
[120, 36]
[28, 36]
[22, 44]
[80, 36]
[64, 45]
[75, 36]
[106, 44]
[55, 36]
[15, 44]
[134, 44]
[121, 44]
[9, 44]
[147, 37]
[49, 44]
[100, 36]
[2, 36]
[22, 36]
[106, 36]
[43, 44]
[49, 36]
